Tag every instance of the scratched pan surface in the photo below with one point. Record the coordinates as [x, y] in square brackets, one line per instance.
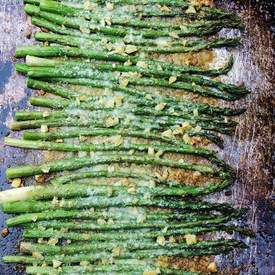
[250, 150]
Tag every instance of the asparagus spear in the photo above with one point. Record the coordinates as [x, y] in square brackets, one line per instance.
[169, 114]
[93, 226]
[107, 67]
[55, 51]
[73, 75]
[183, 149]
[138, 97]
[129, 245]
[124, 215]
[126, 268]
[101, 118]
[92, 41]
[197, 28]
[142, 254]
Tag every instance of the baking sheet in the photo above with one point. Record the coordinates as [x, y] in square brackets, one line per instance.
[250, 150]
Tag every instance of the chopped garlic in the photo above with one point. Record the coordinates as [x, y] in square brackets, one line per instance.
[172, 79]
[123, 82]
[178, 131]
[186, 139]
[141, 218]
[195, 112]
[37, 255]
[109, 6]
[101, 221]
[34, 218]
[84, 263]
[116, 251]
[46, 114]
[16, 182]
[117, 140]
[45, 169]
[142, 64]
[53, 241]
[190, 9]
[212, 267]
[55, 201]
[172, 239]
[159, 153]
[128, 63]
[110, 103]
[167, 133]
[44, 128]
[111, 121]
[130, 49]
[190, 239]
[173, 34]
[84, 30]
[161, 240]
[164, 8]
[152, 272]
[160, 106]
[118, 100]
[151, 151]
[185, 126]
[56, 263]
[164, 230]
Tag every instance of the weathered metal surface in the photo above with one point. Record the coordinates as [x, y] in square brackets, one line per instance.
[250, 150]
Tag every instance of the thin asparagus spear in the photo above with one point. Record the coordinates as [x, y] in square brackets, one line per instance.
[126, 269]
[29, 248]
[107, 67]
[93, 226]
[183, 149]
[99, 119]
[91, 42]
[126, 108]
[142, 254]
[49, 136]
[138, 96]
[193, 29]
[55, 51]
[70, 73]
[119, 216]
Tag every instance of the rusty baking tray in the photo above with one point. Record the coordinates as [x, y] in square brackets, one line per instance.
[249, 151]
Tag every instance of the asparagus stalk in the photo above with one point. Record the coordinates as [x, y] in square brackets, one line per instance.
[86, 73]
[171, 115]
[99, 119]
[191, 29]
[50, 136]
[142, 254]
[126, 269]
[129, 245]
[77, 163]
[41, 232]
[138, 97]
[55, 51]
[93, 189]
[91, 42]
[183, 149]
[119, 216]
[107, 67]
[91, 226]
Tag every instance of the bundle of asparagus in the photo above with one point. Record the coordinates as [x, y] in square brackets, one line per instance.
[130, 191]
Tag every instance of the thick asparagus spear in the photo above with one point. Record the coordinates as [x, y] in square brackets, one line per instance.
[70, 73]
[183, 149]
[55, 51]
[107, 67]
[136, 96]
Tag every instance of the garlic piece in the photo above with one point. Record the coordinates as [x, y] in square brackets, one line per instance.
[160, 106]
[44, 128]
[130, 49]
[172, 79]
[190, 239]
[16, 182]
[161, 240]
